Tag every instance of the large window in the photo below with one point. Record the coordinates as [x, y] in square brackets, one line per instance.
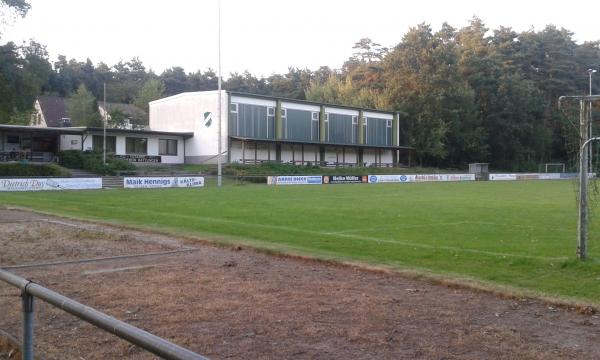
[253, 121]
[378, 131]
[167, 147]
[136, 146]
[98, 143]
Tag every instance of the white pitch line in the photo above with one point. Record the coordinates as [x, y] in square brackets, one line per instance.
[356, 237]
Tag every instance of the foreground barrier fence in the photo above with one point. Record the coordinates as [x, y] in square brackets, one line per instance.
[138, 337]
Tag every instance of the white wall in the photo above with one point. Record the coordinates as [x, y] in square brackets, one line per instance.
[371, 156]
[341, 111]
[378, 115]
[70, 142]
[262, 152]
[153, 145]
[185, 113]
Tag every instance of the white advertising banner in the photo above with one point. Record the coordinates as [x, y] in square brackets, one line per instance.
[35, 184]
[549, 176]
[374, 179]
[502, 177]
[295, 180]
[162, 182]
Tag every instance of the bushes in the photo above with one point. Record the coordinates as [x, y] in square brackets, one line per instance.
[270, 168]
[92, 162]
[28, 169]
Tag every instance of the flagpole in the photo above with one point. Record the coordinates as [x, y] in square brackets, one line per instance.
[219, 166]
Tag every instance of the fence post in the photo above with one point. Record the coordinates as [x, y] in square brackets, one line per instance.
[28, 312]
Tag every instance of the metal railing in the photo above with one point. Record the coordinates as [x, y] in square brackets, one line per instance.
[138, 337]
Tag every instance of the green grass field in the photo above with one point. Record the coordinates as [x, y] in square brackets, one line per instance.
[516, 234]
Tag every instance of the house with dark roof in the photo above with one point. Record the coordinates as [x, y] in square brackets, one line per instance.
[50, 111]
[133, 116]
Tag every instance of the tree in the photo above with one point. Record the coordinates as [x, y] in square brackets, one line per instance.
[83, 109]
[21, 7]
[422, 79]
[12, 8]
[174, 80]
[24, 72]
[117, 119]
[151, 90]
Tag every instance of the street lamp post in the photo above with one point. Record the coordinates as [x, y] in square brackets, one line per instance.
[590, 151]
[219, 162]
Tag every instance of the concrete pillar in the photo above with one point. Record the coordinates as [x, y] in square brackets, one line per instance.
[278, 122]
[395, 127]
[361, 128]
[278, 152]
[322, 124]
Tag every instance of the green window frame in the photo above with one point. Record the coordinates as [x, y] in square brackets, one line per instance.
[136, 146]
[167, 147]
[98, 143]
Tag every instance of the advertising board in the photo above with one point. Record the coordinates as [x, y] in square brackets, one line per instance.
[38, 184]
[503, 177]
[162, 182]
[373, 179]
[295, 180]
[345, 179]
[140, 158]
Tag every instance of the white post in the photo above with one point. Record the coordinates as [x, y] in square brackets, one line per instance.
[219, 166]
[582, 230]
[590, 150]
[104, 129]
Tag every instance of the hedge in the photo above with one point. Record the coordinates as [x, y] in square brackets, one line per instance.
[92, 161]
[28, 169]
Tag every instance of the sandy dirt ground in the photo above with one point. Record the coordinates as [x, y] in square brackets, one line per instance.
[233, 303]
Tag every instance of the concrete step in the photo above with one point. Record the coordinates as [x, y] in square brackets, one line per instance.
[81, 173]
[112, 182]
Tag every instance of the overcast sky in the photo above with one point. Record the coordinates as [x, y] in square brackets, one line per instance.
[266, 36]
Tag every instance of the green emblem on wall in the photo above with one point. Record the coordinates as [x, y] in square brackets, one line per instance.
[207, 119]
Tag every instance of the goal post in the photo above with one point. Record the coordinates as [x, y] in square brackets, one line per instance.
[558, 166]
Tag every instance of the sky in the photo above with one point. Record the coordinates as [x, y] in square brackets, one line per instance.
[265, 36]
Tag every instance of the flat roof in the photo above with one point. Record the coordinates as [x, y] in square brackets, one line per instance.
[269, 97]
[39, 129]
[75, 130]
[148, 132]
[392, 147]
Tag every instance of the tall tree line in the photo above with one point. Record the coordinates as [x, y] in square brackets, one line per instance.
[465, 95]
[472, 94]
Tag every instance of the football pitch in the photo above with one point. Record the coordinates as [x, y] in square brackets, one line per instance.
[518, 234]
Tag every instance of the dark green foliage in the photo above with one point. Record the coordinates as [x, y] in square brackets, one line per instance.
[92, 161]
[28, 169]
[24, 73]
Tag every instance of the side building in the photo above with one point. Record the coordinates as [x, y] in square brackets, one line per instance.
[257, 128]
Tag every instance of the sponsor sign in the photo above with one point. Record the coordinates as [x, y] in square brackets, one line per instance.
[295, 180]
[534, 176]
[537, 176]
[162, 182]
[140, 158]
[549, 176]
[503, 177]
[373, 179]
[345, 179]
[50, 184]
[568, 175]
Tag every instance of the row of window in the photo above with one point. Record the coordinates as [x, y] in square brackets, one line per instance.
[258, 121]
[314, 114]
[135, 145]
